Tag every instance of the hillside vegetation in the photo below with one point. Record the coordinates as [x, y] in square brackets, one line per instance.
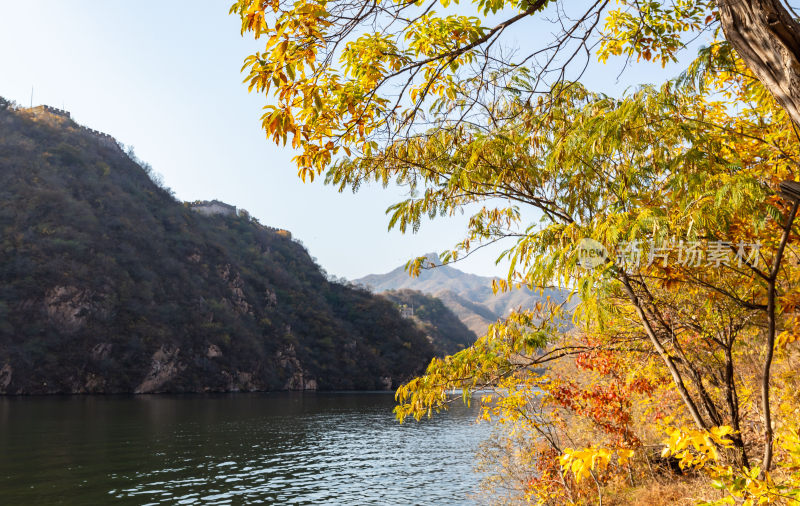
[444, 328]
[107, 284]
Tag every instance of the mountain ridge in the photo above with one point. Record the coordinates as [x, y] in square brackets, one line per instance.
[109, 285]
[469, 296]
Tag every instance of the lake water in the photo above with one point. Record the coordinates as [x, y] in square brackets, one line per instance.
[273, 448]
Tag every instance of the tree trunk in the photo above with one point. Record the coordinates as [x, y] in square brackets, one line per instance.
[662, 352]
[768, 39]
[733, 406]
[771, 330]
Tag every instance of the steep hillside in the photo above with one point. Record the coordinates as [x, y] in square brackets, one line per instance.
[107, 284]
[474, 316]
[469, 296]
[446, 331]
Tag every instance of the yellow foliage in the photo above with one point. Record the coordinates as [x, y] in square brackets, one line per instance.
[581, 463]
[694, 448]
[658, 338]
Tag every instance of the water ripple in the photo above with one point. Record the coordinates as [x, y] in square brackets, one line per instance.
[233, 449]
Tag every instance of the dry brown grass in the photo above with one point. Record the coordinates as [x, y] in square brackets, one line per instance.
[678, 491]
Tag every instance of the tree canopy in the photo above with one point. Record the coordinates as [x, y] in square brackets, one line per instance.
[686, 323]
[357, 76]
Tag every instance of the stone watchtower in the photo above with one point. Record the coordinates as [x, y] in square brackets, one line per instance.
[214, 207]
[46, 109]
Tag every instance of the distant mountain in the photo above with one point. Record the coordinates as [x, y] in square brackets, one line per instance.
[469, 286]
[469, 296]
[108, 284]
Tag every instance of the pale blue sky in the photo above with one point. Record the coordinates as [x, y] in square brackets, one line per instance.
[164, 77]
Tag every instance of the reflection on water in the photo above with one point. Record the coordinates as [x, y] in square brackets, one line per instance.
[232, 449]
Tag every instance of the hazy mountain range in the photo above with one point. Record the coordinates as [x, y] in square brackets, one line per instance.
[469, 296]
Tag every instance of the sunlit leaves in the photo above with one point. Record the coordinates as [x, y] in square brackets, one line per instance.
[354, 75]
[695, 448]
[505, 359]
[740, 485]
[653, 30]
[582, 462]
